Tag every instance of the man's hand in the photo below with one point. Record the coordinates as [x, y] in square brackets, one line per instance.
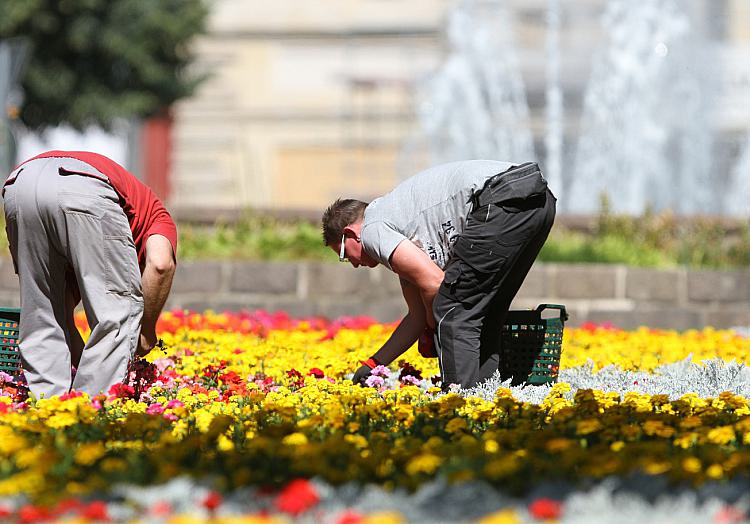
[426, 343]
[361, 374]
[146, 343]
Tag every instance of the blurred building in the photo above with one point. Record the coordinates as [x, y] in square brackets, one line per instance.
[307, 101]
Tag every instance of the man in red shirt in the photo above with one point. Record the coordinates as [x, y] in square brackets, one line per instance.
[81, 227]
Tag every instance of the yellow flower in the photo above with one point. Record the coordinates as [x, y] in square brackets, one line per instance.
[657, 428]
[455, 425]
[295, 439]
[657, 467]
[715, 471]
[423, 463]
[89, 452]
[224, 443]
[491, 446]
[721, 435]
[559, 445]
[691, 465]
[588, 426]
[505, 516]
[385, 517]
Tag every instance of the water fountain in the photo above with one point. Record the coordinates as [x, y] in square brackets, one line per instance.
[645, 137]
[645, 130]
[475, 105]
[738, 195]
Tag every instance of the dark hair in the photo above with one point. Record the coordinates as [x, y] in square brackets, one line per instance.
[340, 214]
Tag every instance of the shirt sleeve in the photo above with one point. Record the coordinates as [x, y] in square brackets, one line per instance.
[379, 240]
[162, 224]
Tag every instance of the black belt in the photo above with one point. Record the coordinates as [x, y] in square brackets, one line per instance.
[517, 183]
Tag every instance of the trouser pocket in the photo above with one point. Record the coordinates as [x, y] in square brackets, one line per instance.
[120, 256]
[472, 271]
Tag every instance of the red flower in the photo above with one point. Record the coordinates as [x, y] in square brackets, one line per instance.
[121, 391]
[350, 516]
[544, 508]
[29, 513]
[96, 510]
[67, 505]
[729, 515]
[161, 509]
[317, 373]
[212, 501]
[70, 394]
[298, 496]
[230, 377]
[409, 370]
[5, 512]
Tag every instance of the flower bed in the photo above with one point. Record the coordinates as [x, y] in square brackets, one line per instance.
[262, 402]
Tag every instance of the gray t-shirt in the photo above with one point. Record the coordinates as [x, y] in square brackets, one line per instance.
[428, 209]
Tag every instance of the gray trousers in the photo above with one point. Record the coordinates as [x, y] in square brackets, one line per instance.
[490, 260]
[61, 223]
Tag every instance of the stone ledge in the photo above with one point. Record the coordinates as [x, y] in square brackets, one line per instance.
[625, 296]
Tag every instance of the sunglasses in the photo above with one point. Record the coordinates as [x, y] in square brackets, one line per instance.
[342, 251]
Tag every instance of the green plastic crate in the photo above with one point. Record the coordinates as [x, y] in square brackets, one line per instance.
[530, 346]
[10, 359]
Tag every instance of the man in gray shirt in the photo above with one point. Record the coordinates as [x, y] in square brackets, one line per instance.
[461, 237]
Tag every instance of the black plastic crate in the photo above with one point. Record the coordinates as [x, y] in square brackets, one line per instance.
[530, 346]
[10, 358]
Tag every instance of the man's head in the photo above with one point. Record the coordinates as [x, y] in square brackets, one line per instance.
[342, 224]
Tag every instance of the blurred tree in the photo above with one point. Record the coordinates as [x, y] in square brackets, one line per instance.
[93, 61]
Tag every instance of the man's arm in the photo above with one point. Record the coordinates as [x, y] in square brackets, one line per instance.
[413, 264]
[157, 282]
[408, 329]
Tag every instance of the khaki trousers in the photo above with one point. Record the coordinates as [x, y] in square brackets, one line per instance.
[60, 221]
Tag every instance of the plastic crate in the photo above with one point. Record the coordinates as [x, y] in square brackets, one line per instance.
[530, 346]
[10, 358]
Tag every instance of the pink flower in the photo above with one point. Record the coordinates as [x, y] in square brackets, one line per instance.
[374, 381]
[380, 371]
[174, 403]
[155, 409]
[409, 379]
[161, 509]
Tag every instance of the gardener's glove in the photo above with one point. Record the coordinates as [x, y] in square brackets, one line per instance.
[364, 371]
[426, 343]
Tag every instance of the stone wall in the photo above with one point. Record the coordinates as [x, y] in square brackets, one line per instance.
[625, 296]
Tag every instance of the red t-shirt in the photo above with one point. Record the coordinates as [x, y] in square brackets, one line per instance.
[146, 214]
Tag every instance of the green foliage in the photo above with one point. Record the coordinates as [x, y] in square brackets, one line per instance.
[93, 61]
[565, 246]
[654, 240]
[651, 240]
[254, 237]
